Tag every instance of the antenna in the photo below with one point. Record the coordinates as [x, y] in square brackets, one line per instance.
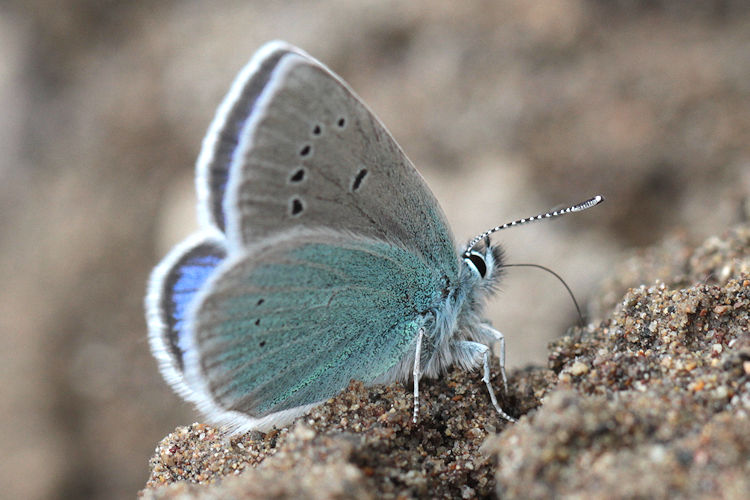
[578, 207]
[559, 278]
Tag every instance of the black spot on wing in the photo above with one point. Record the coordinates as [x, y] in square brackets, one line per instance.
[297, 176]
[358, 179]
[296, 207]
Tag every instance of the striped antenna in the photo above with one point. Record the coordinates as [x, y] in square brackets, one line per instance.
[578, 207]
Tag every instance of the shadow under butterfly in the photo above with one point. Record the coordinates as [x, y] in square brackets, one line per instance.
[323, 257]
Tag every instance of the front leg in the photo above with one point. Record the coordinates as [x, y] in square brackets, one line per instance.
[494, 336]
[469, 355]
[417, 373]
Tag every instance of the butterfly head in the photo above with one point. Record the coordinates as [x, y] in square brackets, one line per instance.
[482, 265]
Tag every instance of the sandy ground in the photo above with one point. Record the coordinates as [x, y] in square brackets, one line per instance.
[650, 401]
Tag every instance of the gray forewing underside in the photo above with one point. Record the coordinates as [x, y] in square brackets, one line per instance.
[223, 136]
[313, 155]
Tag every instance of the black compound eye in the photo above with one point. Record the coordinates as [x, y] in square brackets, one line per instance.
[478, 262]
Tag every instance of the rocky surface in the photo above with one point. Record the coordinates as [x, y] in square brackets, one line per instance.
[652, 400]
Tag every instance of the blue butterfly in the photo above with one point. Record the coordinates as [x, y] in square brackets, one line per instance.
[323, 257]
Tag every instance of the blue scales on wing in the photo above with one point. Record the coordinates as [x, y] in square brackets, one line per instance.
[174, 286]
[291, 322]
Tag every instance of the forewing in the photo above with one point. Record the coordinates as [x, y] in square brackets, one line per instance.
[223, 136]
[292, 321]
[312, 155]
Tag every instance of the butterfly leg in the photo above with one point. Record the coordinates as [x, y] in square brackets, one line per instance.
[470, 354]
[497, 337]
[417, 373]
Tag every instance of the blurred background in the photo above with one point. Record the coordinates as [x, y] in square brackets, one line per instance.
[507, 108]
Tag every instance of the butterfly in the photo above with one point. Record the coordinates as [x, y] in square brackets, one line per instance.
[322, 257]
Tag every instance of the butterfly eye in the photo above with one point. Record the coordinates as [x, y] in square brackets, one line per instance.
[476, 261]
